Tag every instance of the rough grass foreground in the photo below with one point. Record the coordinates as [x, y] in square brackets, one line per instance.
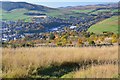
[60, 62]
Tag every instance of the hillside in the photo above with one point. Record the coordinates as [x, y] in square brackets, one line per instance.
[8, 6]
[97, 6]
[109, 25]
[14, 14]
[16, 10]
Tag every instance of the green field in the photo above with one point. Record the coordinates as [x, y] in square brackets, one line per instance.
[82, 11]
[105, 10]
[17, 14]
[14, 14]
[95, 12]
[54, 13]
[109, 25]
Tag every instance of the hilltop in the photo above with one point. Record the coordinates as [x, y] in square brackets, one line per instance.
[17, 10]
[8, 6]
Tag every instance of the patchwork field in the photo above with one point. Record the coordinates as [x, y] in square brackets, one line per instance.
[105, 10]
[19, 14]
[14, 14]
[82, 11]
[61, 13]
[60, 62]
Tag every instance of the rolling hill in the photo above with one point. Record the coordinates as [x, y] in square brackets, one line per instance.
[8, 6]
[108, 25]
[14, 14]
[16, 10]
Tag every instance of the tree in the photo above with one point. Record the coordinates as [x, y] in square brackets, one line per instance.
[114, 40]
[115, 36]
[80, 41]
[77, 25]
[59, 43]
[91, 43]
[102, 38]
[70, 42]
[64, 42]
[52, 36]
[64, 36]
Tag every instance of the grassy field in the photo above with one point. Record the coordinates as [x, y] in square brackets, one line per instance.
[104, 71]
[60, 62]
[110, 25]
[19, 14]
[14, 14]
[95, 12]
[82, 11]
[105, 10]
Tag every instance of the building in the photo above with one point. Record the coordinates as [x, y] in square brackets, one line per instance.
[72, 27]
[39, 17]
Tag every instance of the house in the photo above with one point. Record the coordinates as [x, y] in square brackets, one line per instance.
[39, 17]
[5, 39]
[72, 27]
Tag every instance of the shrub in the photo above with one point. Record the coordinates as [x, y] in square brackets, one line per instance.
[59, 43]
[91, 43]
[114, 40]
[52, 36]
[80, 41]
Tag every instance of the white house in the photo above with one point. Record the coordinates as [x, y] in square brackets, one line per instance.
[42, 16]
[72, 27]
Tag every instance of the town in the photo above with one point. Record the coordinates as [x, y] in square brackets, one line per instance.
[40, 24]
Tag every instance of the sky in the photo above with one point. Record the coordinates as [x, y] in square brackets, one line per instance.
[64, 0]
[63, 3]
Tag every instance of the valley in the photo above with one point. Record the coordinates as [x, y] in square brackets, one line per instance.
[40, 42]
[17, 22]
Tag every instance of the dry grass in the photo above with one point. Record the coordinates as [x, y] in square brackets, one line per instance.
[21, 62]
[98, 71]
[102, 71]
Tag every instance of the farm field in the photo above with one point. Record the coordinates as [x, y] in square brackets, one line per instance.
[60, 62]
[14, 14]
[104, 10]
[107, 25]
[19, 14]
[83, 11]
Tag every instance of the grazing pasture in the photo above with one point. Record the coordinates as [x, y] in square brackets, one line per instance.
[108, 25]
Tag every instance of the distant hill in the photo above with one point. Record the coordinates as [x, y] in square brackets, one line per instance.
[97, 6]
[8, 6]
[22, 10]
[108, 25]
[18, 10]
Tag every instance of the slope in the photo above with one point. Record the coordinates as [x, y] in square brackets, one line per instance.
[108, 25]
